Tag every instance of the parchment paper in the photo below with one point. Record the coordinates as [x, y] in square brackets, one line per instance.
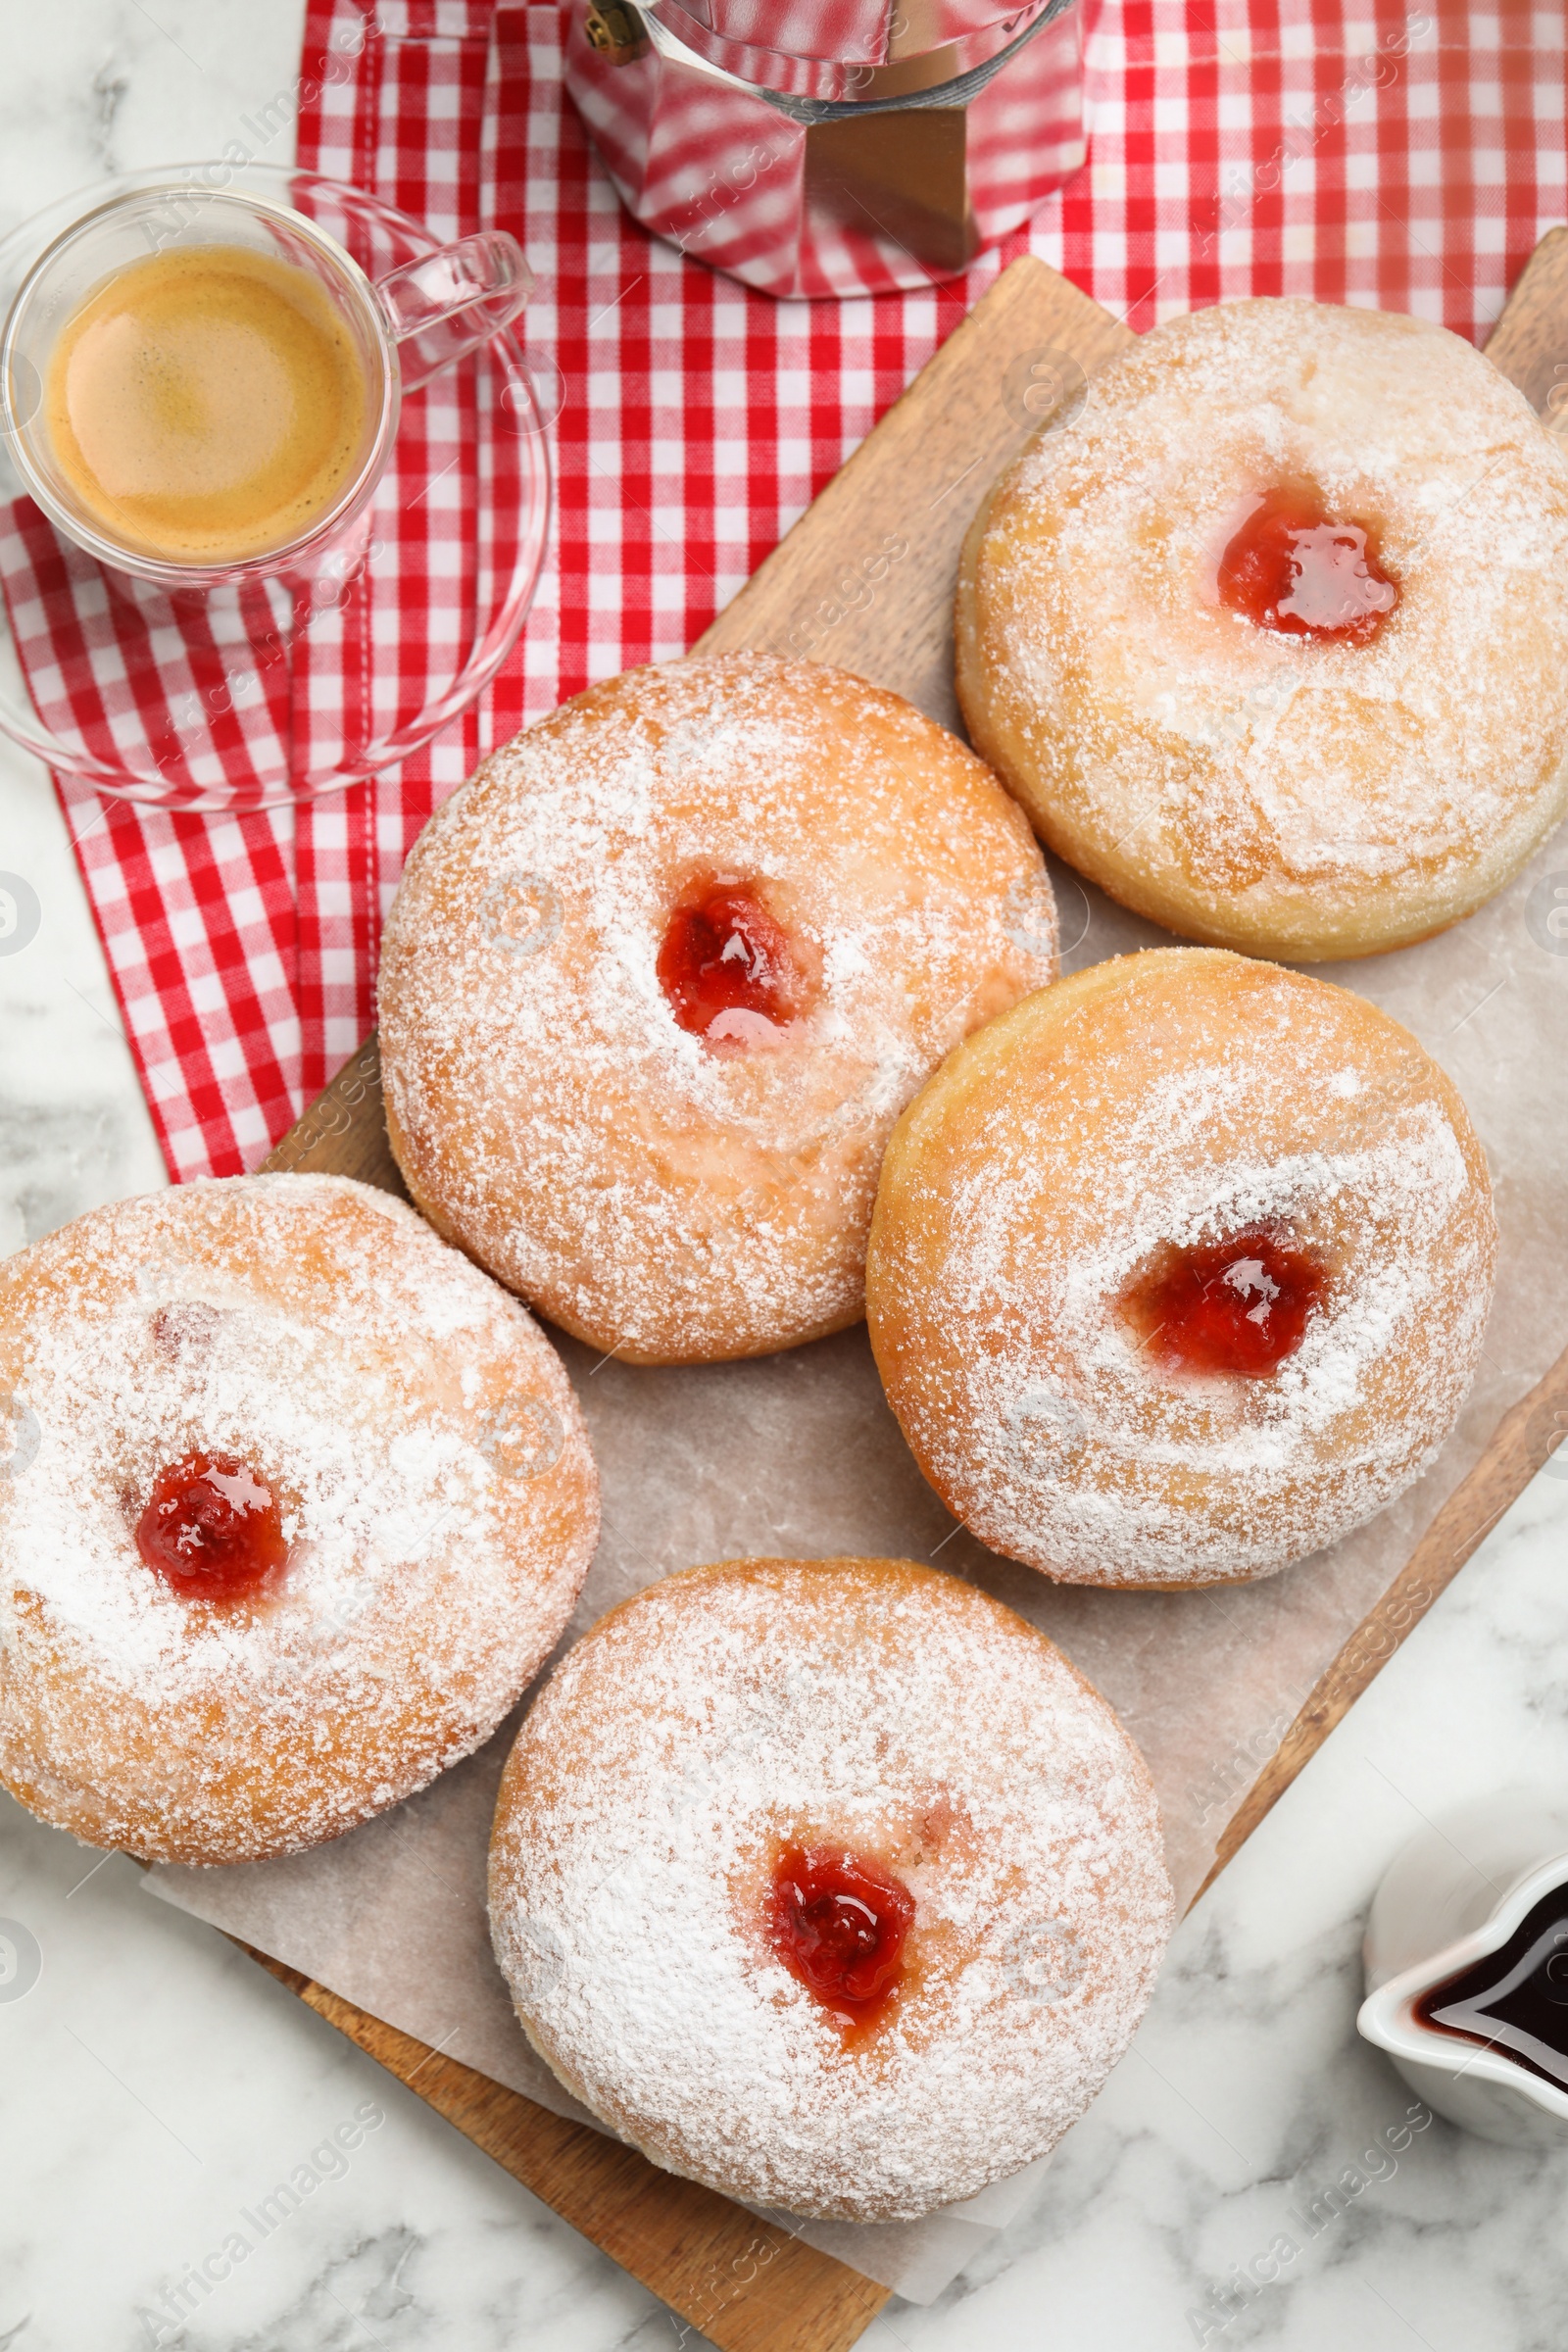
[798, 1454]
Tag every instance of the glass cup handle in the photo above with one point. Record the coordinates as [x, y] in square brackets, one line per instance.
[450, 303]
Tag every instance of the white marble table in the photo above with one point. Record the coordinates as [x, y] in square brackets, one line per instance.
[153, 2084]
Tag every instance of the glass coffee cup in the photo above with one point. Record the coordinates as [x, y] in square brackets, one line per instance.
[272, 369]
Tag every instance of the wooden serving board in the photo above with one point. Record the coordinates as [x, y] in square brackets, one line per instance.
[864, 580]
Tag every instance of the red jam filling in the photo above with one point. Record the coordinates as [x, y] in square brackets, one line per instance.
[1240, 1305]
[1291, 569]
[839, 1926]
[211, 1530]
[726, 967]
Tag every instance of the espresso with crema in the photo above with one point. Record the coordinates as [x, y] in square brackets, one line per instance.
[206, 403]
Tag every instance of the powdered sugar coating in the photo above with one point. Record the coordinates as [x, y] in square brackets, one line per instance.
[1243, 787]
[1167, 1101]
[654, 1195]
[438, 1495]
[721, 1716]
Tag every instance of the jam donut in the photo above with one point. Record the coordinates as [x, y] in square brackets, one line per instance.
[659, 979]
[1179, 1270]
[296, 1504]
[1272, 640]
[827, 1882]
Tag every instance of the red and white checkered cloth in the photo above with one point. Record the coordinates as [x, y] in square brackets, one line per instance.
[1350, 150]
